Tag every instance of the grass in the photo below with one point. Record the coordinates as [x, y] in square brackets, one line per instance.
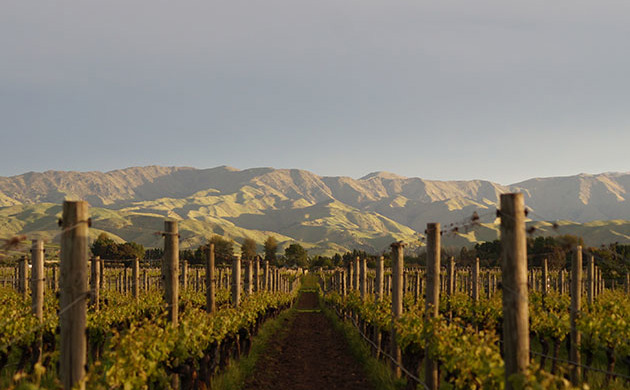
[378, 373]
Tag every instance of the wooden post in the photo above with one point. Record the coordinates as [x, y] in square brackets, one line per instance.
[350, 276]
[357, 274]
[37, 279]
[363, 279]
[266, 278]
[398, 265]
[236, 281]
[185, 274]
[23, 277]
[95, 275]
[450, 283]
[432, 303]
[210, 289]
[343, 280]
[135, 278]
[590, 280]
[55, 279]
[627, 283]
[576, 306]
[475, 280]
[250, 277]
[561, 281]
[170, 269]
[102, 272]
[514, 273]
[380, 271]
[73, 294]
[257, 274]
[545, 278]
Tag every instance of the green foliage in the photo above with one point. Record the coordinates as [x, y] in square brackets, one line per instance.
[223, 250]
[296, 255]
[107, 248]
[248, 249]
[271, 247]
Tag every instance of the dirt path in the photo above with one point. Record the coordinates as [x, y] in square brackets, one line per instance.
[309, 355]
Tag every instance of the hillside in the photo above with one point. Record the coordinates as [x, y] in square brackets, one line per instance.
[326, 214]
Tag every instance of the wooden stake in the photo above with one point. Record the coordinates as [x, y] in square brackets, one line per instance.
[73, 294]
[95, 275]
[432, 302]
[37, 279]
[236, 282]
[170, 269]
[210, 288]
[380, 272]
[514, 273]
[590, 279]
[135, 278]
[398, 265]
[363, 278]
[576, 306]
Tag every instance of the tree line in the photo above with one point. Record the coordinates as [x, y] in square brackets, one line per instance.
[613, 259]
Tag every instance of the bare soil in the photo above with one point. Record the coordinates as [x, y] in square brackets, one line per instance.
[308, 354]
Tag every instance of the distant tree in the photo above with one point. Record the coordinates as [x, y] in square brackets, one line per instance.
[321, 261]
[130, 250]
[108, 249]
[248, 249]
[154, 253]
[187, 254]
[105, 247]
[223, 250]
[336, 259]
[271, 247]
[296, 255]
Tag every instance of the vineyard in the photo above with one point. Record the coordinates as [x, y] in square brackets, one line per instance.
[101, 324]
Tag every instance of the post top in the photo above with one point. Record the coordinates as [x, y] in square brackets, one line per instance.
[398, 244]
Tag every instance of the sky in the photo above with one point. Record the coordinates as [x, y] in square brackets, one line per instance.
[448, 90]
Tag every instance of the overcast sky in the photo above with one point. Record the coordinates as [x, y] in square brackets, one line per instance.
[453, 89]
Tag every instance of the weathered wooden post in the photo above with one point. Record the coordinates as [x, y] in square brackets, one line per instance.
[350, 276]
[342, 276]
[450, 281]
[37, 278]
[73, 294]
[514, 273]
[23, 277]
[628, 283]
[236, 281]
[576, 306]
[475, 280]
[432, 303]
[363, 278]
[184, 274]
[590, 276]
[398, 265]
[380, 271]
[561, 281]
[95, 275]
[135, 278]
[257, 274]
[357, 274]
[102, 276]
[210, 288]
[545, 278]
[170, 269]
[266, 278]
[250, 277]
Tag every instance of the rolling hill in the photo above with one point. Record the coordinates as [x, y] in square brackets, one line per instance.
[325, 214]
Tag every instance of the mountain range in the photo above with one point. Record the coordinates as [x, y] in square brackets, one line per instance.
[325, 214]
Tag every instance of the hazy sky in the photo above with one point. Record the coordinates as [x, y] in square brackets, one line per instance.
[454, 89]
